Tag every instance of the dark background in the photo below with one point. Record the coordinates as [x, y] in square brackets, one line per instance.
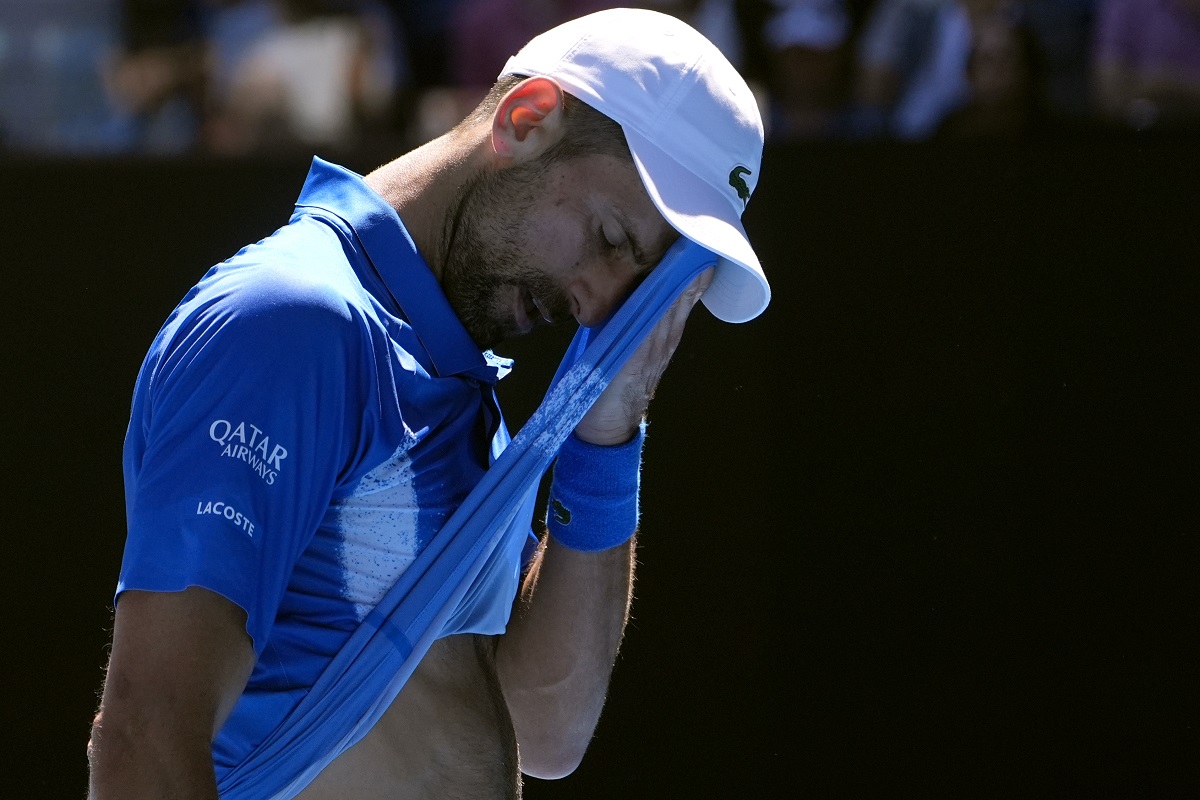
[925, 527]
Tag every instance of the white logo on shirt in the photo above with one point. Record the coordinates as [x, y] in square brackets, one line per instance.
[227, 511]
[254, 448]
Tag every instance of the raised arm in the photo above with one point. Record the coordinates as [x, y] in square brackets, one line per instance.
[556, 658]
[179, 662]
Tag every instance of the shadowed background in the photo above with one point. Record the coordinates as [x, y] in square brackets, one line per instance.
[923, 527]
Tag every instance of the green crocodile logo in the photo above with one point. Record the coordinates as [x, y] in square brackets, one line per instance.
[562, 514]
[738, 182]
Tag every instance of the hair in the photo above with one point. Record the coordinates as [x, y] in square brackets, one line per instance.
[587, 131]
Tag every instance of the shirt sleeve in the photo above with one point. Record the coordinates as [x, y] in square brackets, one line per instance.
[244, 417]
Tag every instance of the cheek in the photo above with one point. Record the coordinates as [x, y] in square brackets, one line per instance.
[554, 240]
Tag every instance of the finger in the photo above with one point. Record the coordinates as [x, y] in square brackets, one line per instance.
[669, 329]
[651, 358]
[672, 321]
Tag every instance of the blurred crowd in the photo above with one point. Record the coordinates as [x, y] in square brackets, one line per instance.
[239, 77]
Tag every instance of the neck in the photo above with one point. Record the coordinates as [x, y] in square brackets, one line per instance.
[423, 185]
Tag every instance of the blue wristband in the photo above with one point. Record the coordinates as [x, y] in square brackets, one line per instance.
[594, 494]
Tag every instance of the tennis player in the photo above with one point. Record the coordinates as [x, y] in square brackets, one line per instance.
[318, 405]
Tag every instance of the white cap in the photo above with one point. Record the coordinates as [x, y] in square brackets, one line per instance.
[691, 122]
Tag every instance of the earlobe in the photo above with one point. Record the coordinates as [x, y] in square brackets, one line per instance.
[528, 119]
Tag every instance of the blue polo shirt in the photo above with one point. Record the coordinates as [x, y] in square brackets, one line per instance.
[306, 420]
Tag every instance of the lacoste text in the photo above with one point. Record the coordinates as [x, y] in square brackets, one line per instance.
[227, 511]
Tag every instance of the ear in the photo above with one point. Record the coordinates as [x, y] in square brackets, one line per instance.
[528, 120]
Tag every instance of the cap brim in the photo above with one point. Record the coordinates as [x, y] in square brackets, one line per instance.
[739, 291]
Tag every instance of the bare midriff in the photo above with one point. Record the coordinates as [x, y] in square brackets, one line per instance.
[448, 734]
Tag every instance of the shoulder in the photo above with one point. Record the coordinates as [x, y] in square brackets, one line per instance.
[288, 304]
[299, 281]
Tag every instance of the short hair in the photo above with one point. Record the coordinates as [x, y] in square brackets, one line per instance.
[588, 132]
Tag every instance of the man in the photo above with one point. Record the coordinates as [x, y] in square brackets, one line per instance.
[318, 405]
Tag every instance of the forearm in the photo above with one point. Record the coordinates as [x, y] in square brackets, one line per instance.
[556, 658]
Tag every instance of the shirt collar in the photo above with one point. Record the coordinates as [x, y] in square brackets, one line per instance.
[412, 285]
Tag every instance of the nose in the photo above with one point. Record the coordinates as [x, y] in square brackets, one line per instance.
[598, 291]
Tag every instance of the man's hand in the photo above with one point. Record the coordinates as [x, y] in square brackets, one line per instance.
[614, 417]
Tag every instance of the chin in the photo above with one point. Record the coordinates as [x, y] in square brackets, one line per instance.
[491, 334]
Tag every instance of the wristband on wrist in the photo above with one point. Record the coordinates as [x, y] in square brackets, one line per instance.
[594, 494]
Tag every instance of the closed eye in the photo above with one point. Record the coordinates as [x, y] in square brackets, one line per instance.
[611, 242]
[629, 239]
